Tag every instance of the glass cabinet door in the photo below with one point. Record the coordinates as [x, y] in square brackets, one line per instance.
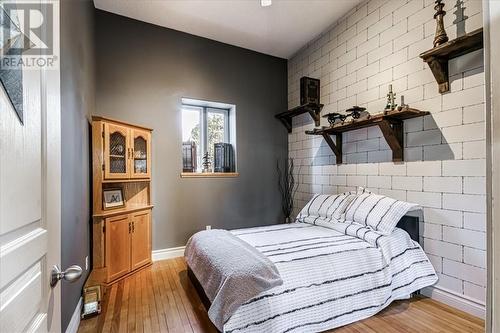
[141, 154]
[116, 152]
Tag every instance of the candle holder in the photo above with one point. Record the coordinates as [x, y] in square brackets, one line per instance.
[391, 98]
[441, 37]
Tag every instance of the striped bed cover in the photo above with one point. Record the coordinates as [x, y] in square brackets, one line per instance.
[333, 274]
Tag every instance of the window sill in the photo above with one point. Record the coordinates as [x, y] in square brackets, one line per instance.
[209, 174]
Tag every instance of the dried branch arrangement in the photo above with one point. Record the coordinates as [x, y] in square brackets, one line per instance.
[287, 186]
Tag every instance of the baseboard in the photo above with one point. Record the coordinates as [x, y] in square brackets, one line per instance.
[170, 253]
[456, 300]
[75, 318]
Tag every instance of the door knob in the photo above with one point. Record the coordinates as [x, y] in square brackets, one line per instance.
[71, 274]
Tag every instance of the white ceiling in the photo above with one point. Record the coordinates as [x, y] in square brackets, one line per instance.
[279, 30]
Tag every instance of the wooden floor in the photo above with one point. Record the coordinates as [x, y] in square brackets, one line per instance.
[161, 298]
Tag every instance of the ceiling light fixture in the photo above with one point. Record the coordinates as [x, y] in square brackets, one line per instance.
[266, 3]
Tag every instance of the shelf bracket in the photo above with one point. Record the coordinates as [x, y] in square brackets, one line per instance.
[336, 147]
[437, 58]
[315, 115]
[439, 68]
[392, 130]
[287, 122]
[312, 109]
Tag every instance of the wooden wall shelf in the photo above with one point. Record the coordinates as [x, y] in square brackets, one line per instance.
[390, 123]
[115, 212]
[437, 58]
[313, 109]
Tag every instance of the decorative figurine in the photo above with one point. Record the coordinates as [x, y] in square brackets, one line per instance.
[206, 163]
[355, 111]
[441, 37]
[334, 116]
[402, 105]
[391, 97]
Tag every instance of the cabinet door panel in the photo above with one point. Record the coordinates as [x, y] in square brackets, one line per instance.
[141, 239]
[117, 246]
[141, 154]
[116, 152]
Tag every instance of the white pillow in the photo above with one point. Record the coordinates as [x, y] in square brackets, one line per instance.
[325, 206]
[378, 212]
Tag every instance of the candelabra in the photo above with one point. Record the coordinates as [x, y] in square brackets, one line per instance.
[441, 37]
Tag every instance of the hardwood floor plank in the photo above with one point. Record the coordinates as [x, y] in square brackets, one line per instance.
[138, 304]
[109, 312]
[168, 302]
[115, 323]
[160, 295]
[161, 298]
[145, 304]
[123, 322]
[170, 278]
[442, 319]
[194, 299]
[188, 307]
[442, 310]
[131, 306]
[153, 314]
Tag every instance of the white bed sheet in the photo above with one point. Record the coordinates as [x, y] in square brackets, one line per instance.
[333, 275]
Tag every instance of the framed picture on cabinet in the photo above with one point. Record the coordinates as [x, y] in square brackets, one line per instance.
[113, 198]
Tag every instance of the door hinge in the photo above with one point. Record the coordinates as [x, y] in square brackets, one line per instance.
[103, 167]
[103, 229]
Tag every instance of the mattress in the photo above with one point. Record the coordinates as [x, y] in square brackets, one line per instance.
[333, 275]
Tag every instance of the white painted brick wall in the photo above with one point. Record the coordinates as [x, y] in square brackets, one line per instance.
[378, 43]
[465, 272]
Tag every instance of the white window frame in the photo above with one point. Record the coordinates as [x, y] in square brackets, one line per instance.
[204, 110]
[230, 130]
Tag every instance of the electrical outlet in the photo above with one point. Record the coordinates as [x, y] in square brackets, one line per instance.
[209, 227]
[87, 263]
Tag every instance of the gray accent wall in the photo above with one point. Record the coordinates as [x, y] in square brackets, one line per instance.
[144, 70]
[77, 103]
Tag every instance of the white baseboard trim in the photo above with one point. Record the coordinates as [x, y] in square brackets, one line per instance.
[456, 300]
[170, 253]
[75, 318]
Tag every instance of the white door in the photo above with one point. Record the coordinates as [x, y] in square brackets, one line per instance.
[30, 189]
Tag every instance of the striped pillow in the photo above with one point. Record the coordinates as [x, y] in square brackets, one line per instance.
[377, 212]
[326, 207]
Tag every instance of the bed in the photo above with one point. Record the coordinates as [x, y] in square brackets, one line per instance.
[333, 274]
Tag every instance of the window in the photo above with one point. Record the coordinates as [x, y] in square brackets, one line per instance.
[205, 125]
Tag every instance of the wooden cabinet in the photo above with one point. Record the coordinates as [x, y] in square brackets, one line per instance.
[116, 151]
[127, 242]
[126, 151]
[140, 142]
[121, 236]
[140, 239]
[117, 239]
